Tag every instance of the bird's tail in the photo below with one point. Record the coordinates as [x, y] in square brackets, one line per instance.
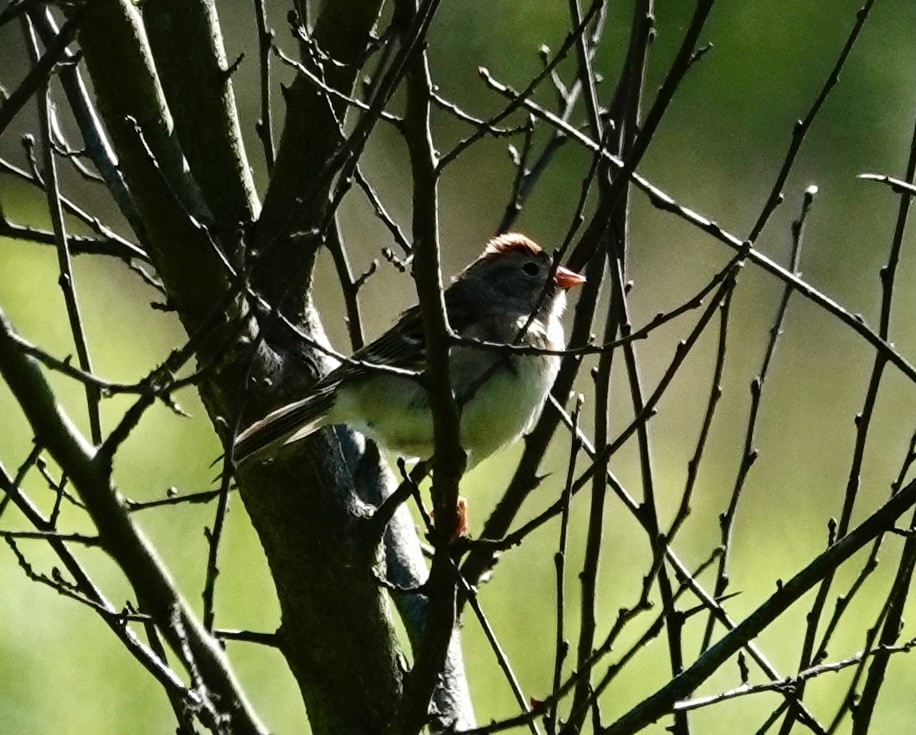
[288, 423]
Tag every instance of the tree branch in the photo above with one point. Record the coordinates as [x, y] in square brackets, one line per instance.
[117, 533]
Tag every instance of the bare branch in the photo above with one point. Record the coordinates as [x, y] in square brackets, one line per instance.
[119, 537]
[664, 700]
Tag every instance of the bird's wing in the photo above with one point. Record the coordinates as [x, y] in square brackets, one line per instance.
[404, 345]
[289, 422]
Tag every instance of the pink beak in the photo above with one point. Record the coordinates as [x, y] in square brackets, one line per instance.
[566, 278]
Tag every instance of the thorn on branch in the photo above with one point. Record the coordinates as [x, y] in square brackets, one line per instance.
[370, 271]
[234, 66]
[248, 636]
[743, 671]
[403, 265]
[699, 54]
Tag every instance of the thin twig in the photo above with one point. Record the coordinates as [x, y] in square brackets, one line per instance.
[898, 595]
[898, 186]
[715, 393]
[155, 664]
[95, 139]
[516, 103]
[665, 698]
[41, 69]
[790, 683]
[501, 658]
[561, 645]
[66, 281]
[666, 203]
[802, 126]
[728, 517]
[264, 125]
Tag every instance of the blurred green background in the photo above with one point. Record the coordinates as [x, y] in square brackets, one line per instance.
[717, 152]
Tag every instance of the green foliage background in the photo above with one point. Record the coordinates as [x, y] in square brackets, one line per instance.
[717, 152]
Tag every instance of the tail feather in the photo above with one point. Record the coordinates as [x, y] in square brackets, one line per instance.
[288, 423]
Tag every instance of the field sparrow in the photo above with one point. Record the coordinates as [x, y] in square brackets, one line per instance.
[511, 287]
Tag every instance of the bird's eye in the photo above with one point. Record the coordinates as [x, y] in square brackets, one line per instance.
[531, 268]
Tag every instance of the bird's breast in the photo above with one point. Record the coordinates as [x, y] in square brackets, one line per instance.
[506, 405]
[500, 397]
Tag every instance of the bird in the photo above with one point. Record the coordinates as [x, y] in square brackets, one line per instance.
[512, 294]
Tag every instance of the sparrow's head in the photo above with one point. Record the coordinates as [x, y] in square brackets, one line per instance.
[515, 271]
